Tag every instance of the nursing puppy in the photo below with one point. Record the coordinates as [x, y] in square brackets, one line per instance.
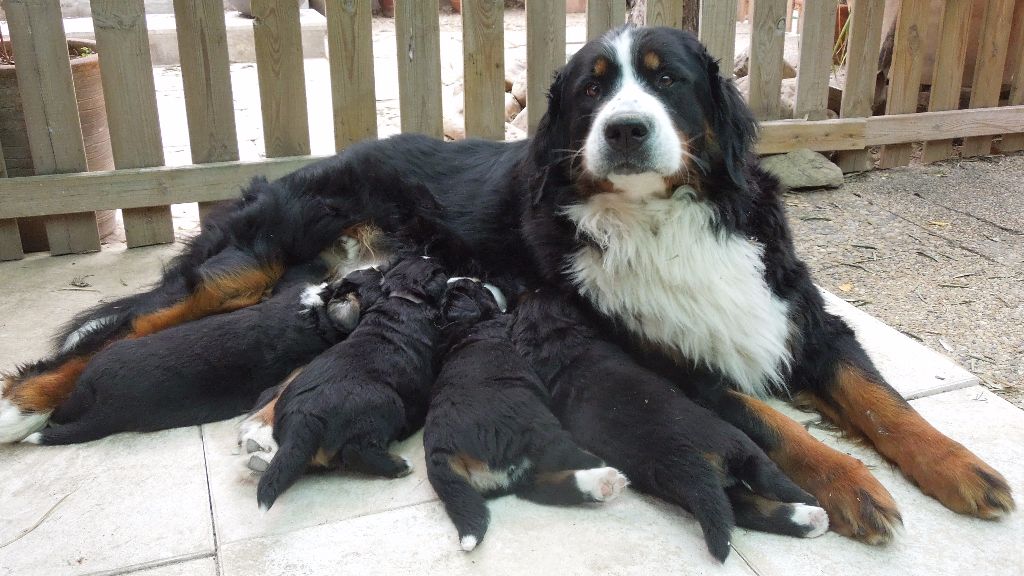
[643, 424]
[213, 368]
[352, 401]
[489, 430]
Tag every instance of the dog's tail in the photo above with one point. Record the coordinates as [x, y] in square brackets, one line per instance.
[465, 506]
[691, 482]
[298, 439]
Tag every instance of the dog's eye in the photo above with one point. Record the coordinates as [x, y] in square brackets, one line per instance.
[664, 81]
[593, 89]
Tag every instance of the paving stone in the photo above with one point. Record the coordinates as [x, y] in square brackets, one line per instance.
[315, 499]
[633, 535]
[198, 567]
[935, 541]
[127, 500]
[803, 168]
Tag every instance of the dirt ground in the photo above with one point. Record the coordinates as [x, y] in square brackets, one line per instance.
[935, 251]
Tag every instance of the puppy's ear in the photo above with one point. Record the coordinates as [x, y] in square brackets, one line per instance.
[734, 125]
[344, 312]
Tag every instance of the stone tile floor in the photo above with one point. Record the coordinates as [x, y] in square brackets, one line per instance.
[180, 502]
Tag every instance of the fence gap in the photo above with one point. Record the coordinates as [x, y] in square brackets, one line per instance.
[988, 72]
[418, 39]
[122, 41]
[905, 73]
[816, 42]
[718, 32]
[1015, 142]
[767, 42]
[545, 53]
[350, 56]
[51, 112]
[603, 15]
[865, 40]
[483, 53]
[282, 77]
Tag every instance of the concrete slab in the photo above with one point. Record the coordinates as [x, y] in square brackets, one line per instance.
[200, 567]
[633, 535]
[127, 500]
[315, 499]
[936, 541]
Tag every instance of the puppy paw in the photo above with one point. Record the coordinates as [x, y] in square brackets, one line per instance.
[468, 542]
[256, 439]
[601, 484]
[404, 470]
[259, 462]
[811, 519]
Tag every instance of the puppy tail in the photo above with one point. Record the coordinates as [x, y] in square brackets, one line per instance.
[465, 506]
[298, 444]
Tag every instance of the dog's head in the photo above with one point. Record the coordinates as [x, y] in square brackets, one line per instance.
[467, 300]
[641, 111]
[417, 278]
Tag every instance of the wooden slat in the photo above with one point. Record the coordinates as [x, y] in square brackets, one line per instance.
[718, 31]
[10, 236]
[1015, 142]
[779, 136]
[206, 77]
[282, 77]
[816, 43]
[949, 70]
[665, 13]
[122, 41]
[545, 51]
[767, 42]
[136, 188]
[603, 15]
[418, 38]
[865, 39]
[350, 48]
[483, 41]
[51, 112]
[953, 123]
[988, 72]
[905, 73]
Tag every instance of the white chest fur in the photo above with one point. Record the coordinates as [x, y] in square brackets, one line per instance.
[674, 280]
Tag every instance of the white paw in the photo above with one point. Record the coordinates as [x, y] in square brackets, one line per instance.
[814, 519]
[257, 443]
[602, 484]
[468, 542]
[259, 462]
[15, 425]
[34, 438]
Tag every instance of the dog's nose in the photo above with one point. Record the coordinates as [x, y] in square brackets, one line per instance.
[626, 134]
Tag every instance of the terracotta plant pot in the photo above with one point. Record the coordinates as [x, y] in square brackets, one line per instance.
[85, 70]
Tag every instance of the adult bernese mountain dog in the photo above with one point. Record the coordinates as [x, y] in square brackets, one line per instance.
[640, 192]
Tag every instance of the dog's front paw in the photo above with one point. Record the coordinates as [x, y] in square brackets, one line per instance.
[601, 484]
[965, 484]
[858, 505]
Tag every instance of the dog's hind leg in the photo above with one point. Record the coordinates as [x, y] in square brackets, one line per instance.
[789, 519]
[373, 459]
[300, 441]
[28, 398]
[565, 474]
[465, 506]
[92, 427]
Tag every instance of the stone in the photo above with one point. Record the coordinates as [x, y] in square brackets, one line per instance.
[515, 65]
[521, 121]
[513, 133]
[519, 88]
[454, 126]
[512, 107]
[741, 65]
[803, 169]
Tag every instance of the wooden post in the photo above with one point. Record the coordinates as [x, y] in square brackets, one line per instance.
[51, 112]
[815, 60]
[10, 236]
[483, 53]
[988, 72]
[603, 15]
[206, 77]
[718, 31]
[418, 38]
[664, 13]
[1015, 142]
[282, 77]
[767, 42]
[949, 70]
[905, 73]
[350, 54]
[545, 53]
[865, 40]
[122, 41]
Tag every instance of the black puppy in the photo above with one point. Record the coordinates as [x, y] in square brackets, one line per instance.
[351, 402]
[213, 368]
[489, 430]
[640, 422]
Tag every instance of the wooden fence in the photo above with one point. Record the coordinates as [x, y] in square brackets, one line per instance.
[143, 188]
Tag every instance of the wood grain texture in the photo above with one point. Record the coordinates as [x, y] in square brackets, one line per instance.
[780, 136]
[816, 43]
[665, 13]
[865, 40]
[350, 54]
[282, 77]
[10, 236]
[718, 31]
[418, 39]
[545, 51]
[603, 15]
[952, 123]
[1015, 142]
[988, 72]
[483, 53]
[767, 41]
[905, 73]
[51, 112]
[122, 41]
[954, 32]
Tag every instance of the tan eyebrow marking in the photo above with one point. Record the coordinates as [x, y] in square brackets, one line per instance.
[600, 66]
[652, 61]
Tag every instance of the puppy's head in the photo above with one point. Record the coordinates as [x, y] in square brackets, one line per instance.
[417, 278]
[347, 298]
[641, 111]
[468, 301]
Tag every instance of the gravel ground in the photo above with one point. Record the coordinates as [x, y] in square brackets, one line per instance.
[935, 251]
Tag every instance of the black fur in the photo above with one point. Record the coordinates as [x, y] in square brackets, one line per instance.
[355, 399]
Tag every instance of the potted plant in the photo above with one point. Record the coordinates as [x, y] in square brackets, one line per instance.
[85, 70]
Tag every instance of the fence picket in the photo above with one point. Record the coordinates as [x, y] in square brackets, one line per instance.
[282, 77]
[865, 40]
[418, 39]
[10, 236]
[767, 42]
[988, 72]
[949, 70]
[350, 54]
[816, 43]
[718, 31]
[905, 73]
[483, 41]
[1015, 142]
[603, 15]
[545, 53]
[665, 13]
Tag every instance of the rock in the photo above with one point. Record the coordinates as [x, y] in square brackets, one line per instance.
[512, 107]
[741, 66]
[513, 133]
[515, 64]
[803, 169]
[521, 121]
[519, 88]
[454, 126]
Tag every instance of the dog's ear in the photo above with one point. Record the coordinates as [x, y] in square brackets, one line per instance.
[547, 138]
[734, 126]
